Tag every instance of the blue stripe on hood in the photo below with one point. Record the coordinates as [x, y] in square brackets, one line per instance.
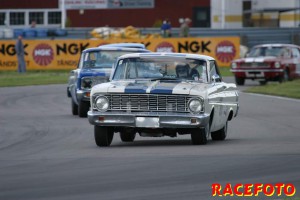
[141, 88]
[136, 88]
[84, 74]
[161, 90]
[164, 88]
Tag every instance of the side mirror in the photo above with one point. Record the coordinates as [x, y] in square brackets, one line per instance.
[72, 72]
[216, 78]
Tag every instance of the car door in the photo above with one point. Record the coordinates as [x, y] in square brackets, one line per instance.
[295, 70]
[217, 97]
[73, 79]
[286, 59]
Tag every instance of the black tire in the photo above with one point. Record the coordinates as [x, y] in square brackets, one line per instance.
[68, 92]
[285, 77]
[220, 134]
[74, 107]
[103, 136]
[127, 136]
[239, 81]
[83, 108]
[200, 136]
[264, 82]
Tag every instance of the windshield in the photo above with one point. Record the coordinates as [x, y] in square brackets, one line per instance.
[101, 59]
[265, 51]
[161, 69]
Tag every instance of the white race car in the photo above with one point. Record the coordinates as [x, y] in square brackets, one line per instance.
[163, 94]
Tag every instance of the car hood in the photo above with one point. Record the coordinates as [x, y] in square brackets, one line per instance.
[256, 59]
[147, 87]
[95, 72]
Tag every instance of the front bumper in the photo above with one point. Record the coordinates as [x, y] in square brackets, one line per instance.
[83, 95]
[258, 73]
[148, 119]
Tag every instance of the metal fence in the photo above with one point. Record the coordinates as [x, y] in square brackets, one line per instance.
[249, 36]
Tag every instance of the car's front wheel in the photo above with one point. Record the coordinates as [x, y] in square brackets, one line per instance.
[83, 108]
[200, 136]
[74, 107]
[127, 136]
[103, 135]
[68, 92]
[220, 134]
[239, 81]
[264, 82]
[285, 77]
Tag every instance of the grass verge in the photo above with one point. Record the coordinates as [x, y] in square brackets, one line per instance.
[287, 89]
[225, 71]
[10, 78]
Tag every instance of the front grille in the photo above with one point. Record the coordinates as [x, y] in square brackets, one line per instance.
[148, 102]
[255, 65]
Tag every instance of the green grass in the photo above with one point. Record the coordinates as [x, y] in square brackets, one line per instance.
[10, 78]
[225, 71]
[287, 89]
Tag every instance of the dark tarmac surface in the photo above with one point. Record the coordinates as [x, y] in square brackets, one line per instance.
[46, 153]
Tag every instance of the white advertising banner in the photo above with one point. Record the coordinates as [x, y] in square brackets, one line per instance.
[130, 4]
[84, 4]
[105, 4]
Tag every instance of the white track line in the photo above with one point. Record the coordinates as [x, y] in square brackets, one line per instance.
[271, 96]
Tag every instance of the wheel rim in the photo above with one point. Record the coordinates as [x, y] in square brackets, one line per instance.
[207, 131]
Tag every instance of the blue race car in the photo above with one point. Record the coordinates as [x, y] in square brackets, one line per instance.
[94, 67]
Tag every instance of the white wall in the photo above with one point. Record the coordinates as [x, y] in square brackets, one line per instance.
[233, 10]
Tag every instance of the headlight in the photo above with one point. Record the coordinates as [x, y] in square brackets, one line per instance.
[86, 83]
[101, 103]
[89, 82]
[195, 105]
[233, 65]
[277, 65]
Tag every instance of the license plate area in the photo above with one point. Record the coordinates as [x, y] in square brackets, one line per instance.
[147, 122]
[255, 74]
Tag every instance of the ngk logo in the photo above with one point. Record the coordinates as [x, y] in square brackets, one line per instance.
[43, 54]
[165, 47]
[225, 51]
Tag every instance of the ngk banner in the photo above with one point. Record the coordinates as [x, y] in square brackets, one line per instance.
[64, 54]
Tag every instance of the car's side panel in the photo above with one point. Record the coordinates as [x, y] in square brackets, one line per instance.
[73, 84]
[222, 98]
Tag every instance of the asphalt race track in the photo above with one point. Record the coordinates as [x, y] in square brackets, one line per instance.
[47, 153]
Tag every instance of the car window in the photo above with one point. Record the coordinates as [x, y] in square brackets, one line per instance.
[295, 53]
[80, 64]
[132, 71]
[214, 69]
[153, 68]
[265, 51]
[119, 74]
[286, 53]
[102, 58]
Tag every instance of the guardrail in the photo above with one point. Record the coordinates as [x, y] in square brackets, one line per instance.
[249, 36]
